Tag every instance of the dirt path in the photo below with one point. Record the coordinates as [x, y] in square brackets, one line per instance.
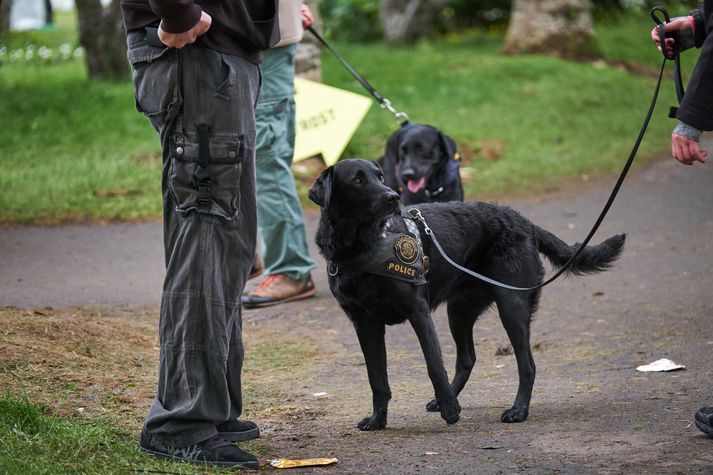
[591, 412]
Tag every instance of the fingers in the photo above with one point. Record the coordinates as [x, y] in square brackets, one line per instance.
[687, 151]
[307, 18]
[179, 40]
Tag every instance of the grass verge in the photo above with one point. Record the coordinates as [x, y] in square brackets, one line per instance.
[77, 385]
[74, 150]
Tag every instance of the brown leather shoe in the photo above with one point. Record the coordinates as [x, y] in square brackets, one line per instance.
[256, 268]
[278, 288]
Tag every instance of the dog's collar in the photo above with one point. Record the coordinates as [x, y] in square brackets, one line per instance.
[398, 255]
[450, 172]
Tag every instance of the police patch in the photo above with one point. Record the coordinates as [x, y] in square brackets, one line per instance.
[406, 249]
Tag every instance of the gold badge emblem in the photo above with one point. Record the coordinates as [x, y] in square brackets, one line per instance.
[406, 249]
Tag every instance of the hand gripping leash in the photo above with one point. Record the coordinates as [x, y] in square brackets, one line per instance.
[673, 55]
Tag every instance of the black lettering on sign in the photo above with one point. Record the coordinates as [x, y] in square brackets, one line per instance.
[317, 120]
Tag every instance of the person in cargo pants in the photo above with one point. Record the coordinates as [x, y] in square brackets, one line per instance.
[195, 75]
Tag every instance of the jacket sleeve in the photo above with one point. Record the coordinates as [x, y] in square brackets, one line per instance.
[177, 16]
[265, 28]
[697, 106]
[699, 25]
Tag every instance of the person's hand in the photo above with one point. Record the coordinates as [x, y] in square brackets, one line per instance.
[179, 40]
[676, 24]
[307, 18]
[686, 150]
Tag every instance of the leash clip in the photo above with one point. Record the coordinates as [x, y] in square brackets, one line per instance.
[417, 216]
[400, 117]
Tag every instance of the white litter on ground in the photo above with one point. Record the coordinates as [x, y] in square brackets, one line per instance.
[664, 364]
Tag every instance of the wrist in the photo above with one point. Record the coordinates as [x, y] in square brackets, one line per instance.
[688, 131]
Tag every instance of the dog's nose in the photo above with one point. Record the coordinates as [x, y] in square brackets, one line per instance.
[408, 174]
[391, 197]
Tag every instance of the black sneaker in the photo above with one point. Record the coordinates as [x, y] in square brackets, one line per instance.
[237, 430]
[704, 420]
[214, 451]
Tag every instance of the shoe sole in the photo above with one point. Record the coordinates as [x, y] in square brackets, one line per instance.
[704, 427]
[301, 296]
[241, 436]
[249, 465]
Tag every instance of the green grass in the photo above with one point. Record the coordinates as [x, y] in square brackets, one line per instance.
[74, 150]
[33, 441]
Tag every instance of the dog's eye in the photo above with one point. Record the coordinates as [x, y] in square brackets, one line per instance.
[381, 177]
[358, 180]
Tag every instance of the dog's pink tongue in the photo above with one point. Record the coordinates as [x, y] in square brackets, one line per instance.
[415, 185]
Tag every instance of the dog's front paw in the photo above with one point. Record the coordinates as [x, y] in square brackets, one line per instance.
[450, 412]
[514, 414]
[375, 422]
[433, 406]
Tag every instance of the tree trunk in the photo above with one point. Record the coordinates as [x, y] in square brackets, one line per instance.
[561, 28]
[407, 20]
[5, 7]
[308, 62]
[101, 34]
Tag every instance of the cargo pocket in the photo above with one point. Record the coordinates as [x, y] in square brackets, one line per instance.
[154, 74]
[226, 157]
[270, 122]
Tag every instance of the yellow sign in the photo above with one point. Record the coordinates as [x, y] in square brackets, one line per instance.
[327, 118]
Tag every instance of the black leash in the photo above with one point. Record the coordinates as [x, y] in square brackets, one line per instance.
[416, 214]
[673, 55]
[401, 117]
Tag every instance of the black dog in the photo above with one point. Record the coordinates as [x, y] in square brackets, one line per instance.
[421, 164]
[377, 273]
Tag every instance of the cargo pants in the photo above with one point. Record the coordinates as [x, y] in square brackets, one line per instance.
[201, 102]
[280, 220]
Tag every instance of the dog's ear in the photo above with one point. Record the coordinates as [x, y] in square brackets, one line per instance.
[322, 188]
[449, 147]
[391, 158]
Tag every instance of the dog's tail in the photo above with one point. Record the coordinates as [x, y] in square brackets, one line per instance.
[592, 258]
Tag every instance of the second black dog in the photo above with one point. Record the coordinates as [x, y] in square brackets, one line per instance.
[421, 163]
[377, 271]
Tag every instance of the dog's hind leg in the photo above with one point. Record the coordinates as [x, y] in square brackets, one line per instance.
[515, 314]
[373, 346]
[462, 315]
[446, 399]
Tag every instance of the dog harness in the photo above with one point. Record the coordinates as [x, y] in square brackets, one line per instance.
[398, 255]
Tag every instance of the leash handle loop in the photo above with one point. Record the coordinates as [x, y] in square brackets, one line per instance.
[661, 28]
[400, 117]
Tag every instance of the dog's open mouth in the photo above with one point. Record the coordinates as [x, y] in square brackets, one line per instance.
[414, 186]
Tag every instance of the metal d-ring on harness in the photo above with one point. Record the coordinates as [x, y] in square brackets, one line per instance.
[416, 214]
[400, 117]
